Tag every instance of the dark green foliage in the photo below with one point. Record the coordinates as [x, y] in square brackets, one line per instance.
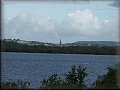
[15, 85]
[15, 47]
[81, 75]
[53, 82]
[71, 77]
[73, 80]
[75, 77]
[108, 80]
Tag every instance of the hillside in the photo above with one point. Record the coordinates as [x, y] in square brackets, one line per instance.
[35, 47]
[99, 43]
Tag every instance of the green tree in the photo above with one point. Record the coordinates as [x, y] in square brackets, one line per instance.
[53, 82]
[71, 77]
[108, 80]
[74, 80]
[81, 75]
[15, 85]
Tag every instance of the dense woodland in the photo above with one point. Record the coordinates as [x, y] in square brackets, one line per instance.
[97, 50]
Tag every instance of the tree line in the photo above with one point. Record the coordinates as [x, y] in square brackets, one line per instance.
[94, 49]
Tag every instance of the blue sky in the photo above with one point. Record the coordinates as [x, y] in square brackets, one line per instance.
[59, 12]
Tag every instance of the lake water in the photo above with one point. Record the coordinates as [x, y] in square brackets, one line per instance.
[34, 67]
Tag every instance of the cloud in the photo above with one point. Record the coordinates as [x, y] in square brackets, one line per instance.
[77, 25]
[24, 26]
[84, 25]
[80, 23]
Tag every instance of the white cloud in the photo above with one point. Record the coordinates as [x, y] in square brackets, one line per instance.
[24, 26]
[78, 25]
[81, 23]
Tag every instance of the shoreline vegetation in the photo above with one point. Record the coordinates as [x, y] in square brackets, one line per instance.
[15, 46]
[74, 80]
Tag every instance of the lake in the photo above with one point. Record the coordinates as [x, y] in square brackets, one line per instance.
[35, 67]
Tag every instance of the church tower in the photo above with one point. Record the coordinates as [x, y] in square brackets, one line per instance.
[60, 42]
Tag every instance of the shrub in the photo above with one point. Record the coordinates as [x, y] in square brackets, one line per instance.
[108, 81]
[75, 77]
[74, 80]
[52, 82]
[15, 85]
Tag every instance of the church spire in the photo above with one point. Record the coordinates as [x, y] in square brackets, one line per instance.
[60, 42]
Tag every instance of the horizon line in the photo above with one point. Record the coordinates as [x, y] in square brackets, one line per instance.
[61, 40]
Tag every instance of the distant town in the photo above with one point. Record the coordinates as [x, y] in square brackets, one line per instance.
[79, 47]
[78, 43]
[30, 43]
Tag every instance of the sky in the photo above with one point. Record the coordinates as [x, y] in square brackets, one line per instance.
[70, 21]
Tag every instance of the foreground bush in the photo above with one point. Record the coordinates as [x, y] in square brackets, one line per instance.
[107, 81]
[75, 77]
[74, 80]
[52, 82]
[15, 85]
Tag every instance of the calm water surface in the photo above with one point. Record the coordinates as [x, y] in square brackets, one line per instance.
[34, 67]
